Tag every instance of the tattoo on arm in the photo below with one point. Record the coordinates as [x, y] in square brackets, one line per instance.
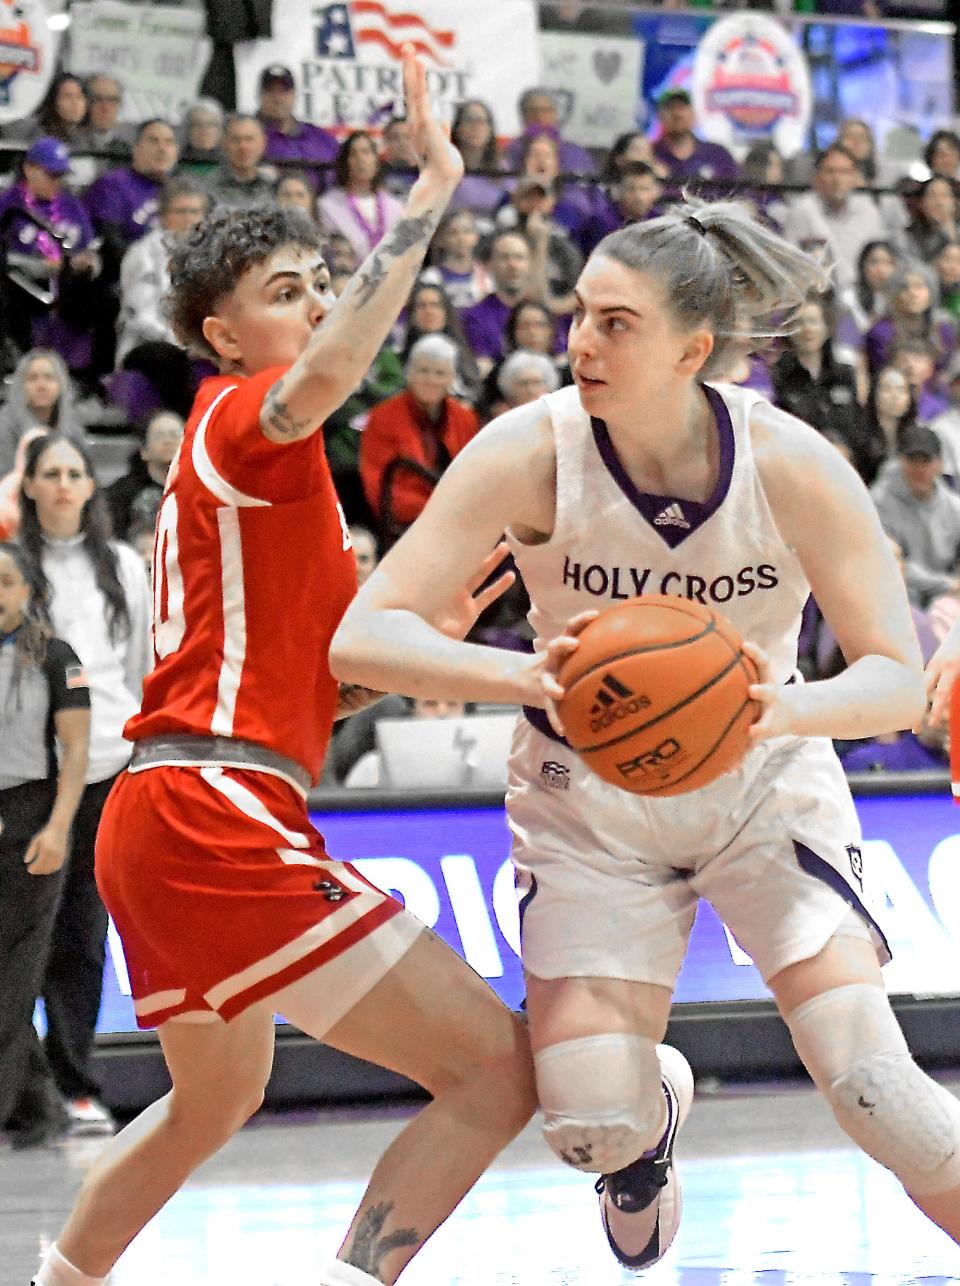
[277, 415]
[352, 698]
[403, 237]
[369, 1247]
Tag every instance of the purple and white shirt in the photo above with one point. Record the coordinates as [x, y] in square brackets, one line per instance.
[612, 542]
[126, 200]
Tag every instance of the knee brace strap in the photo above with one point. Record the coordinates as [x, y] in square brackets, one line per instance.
[854, 1049]
[602, 1100]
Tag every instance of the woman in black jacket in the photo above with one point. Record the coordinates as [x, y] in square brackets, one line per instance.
[811, 383]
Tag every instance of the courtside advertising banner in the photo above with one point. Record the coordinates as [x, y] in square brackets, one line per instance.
[345, 57]
[751, 81]
[28, 56]
[451, 868]
[158, 53]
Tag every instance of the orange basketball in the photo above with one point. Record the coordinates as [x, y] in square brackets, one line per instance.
[656, 696]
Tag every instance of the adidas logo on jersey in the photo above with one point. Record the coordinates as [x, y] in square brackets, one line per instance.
[614, 701]
[672, 516]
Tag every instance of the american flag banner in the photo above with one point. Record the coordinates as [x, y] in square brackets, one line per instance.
[342, 29]
[345, 56]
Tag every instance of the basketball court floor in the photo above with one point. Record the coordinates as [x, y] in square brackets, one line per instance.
[773, 1197]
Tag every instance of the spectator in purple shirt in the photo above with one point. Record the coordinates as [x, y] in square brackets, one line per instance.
[679, 149]
[123, 203]
[538, 111]
[39, 260]
[914, 359]
[634, 195]
[289, 139]
[474, 136]
[515, 277]
[914, 314]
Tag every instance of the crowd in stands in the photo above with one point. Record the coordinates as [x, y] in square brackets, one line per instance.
[89, 216]
[97, 389]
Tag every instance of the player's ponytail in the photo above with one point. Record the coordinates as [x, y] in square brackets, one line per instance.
[720, 268]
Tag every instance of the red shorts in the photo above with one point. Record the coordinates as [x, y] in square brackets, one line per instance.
[223, 893]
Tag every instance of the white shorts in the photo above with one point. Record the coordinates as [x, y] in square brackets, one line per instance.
[609, 882]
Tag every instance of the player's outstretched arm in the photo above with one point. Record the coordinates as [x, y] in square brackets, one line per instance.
[343, 347]
[824, 512]
[388, 638]
[455, 621]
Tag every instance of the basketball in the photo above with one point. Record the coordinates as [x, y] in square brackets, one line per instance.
[656, 696]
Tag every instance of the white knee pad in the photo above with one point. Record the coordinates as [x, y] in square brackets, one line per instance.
[602, 1100]
[854, 1049]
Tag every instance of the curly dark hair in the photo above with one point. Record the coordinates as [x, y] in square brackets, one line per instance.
[206, 266]
[94, 527]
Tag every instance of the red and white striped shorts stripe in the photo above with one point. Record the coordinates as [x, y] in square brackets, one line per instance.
[223, 893]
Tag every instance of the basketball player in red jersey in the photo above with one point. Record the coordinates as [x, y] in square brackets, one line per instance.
[228, 905]
[943, 693]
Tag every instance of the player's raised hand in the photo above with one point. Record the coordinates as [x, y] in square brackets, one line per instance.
[437, 156]
[941, 673]
[460, 615]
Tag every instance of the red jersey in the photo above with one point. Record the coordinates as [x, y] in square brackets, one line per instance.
[253, 569]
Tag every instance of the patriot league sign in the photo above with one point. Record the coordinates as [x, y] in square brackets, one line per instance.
[345, 56]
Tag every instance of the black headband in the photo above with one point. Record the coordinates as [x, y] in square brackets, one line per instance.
[695, 223]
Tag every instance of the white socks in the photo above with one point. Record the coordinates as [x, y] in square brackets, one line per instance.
[337, 1273]
[57, 1271]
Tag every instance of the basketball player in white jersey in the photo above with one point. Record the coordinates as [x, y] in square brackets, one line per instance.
[648, 478]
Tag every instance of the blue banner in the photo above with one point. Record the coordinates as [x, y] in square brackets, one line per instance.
[451, 868]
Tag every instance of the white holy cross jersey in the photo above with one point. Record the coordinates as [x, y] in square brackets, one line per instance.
[612, 542]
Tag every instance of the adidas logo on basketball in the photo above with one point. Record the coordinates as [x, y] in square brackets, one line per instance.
[614, 701]
[672, 516]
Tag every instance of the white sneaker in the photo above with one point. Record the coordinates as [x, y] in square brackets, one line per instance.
[89, 1116]
[640, 1205]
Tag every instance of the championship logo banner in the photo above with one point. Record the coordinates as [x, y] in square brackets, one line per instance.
[751, 81]
[28, 55]
[345, 57]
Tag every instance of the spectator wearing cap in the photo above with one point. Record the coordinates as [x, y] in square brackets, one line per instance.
[834, 215]
[946, 425]
[241, 181]
[684, 155]
[357, 205]
[37, 254]
[533, 209]
[921, 513]
[538, 112]
[289, 139]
